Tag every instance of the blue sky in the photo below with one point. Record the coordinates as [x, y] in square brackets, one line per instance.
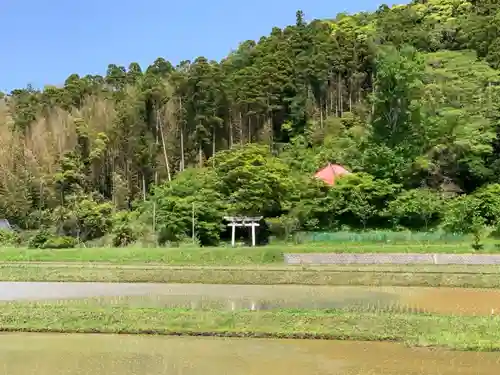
[44, 41]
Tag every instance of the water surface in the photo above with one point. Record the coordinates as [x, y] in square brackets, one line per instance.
[261, 297]
[59, 354]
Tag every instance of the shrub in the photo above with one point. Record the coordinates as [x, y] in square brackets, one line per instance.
[464, 212]
[84, 217]
[283, 227]
[39, 239]
[276, 227]
[416, 209]
[489, 203]
[9, 238]
[44, 239]
[38, 219]
[169, 234]
[60, 242]
[123, 236]
[124, 233]
[360, 200]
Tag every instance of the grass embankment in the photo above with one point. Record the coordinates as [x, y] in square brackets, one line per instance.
[272, 254]
[461, 333]
[369, 275]
[263, 265]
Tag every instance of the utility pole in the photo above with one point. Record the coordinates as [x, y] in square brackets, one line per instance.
[192, 219]
[156, 169]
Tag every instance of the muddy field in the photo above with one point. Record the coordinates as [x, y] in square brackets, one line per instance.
[58, 354]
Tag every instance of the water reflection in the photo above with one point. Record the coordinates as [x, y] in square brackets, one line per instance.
[43, 354]
[379, 301]
[261, 297]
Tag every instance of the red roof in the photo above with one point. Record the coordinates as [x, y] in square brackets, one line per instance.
[330, 173]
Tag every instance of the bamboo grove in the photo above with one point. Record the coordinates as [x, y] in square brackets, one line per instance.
[406, 96]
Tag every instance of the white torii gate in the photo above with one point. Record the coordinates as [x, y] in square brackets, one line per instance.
[243, 221]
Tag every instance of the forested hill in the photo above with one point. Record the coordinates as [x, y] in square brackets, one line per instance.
[406, 95]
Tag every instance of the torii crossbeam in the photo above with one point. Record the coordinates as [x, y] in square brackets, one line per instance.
[242, 221]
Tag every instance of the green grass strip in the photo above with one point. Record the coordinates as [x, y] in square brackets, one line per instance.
[429, 276]
[272, 254]
[453, 332]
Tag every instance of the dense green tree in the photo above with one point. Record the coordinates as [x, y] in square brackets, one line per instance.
[360, 200]
[398, 87]
[406, 97]
[417, 209]
[253, 181]
[190, 202]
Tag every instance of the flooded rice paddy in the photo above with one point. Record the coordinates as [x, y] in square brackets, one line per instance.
[59, 354]
[75, 354]
[256, 297]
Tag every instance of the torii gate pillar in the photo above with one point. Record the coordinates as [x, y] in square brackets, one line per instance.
[243, 221]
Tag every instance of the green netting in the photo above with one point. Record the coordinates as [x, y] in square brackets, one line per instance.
[381, 236]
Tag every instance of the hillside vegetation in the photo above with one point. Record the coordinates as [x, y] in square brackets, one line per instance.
[407, 98]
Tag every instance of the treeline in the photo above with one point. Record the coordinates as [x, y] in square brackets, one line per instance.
[406, 97]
